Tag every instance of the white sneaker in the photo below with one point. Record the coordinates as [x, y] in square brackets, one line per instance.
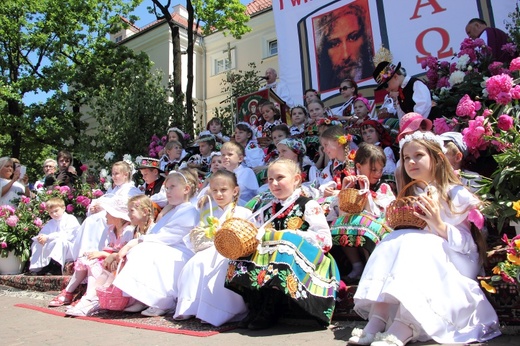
[137, 306]
[151, 311]
[85, 307]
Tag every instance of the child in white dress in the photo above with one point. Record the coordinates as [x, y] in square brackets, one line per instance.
[201, 286]
[90, 264]
[54, 241]
[93, 232]
[420, 284]
[154, 264]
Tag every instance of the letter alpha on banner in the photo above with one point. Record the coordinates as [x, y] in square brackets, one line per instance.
[441, 53]
[433, 3]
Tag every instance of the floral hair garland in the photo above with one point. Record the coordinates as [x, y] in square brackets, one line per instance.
[206, 138]
[248, 125]
[177, 130]
[344, 139]
[328, 121]
[386, 73]
[426, 136]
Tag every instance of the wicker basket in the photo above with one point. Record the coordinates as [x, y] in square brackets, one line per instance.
[111, 297]
[399, 214]
[352, 201]
[236, 238]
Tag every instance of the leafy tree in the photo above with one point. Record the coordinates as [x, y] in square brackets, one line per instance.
[214, 15]
[41, 43]
[128, 114]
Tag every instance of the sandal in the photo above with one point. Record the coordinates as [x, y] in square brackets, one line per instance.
[64, 298]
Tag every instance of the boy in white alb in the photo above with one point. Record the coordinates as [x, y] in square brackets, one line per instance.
[54, 242]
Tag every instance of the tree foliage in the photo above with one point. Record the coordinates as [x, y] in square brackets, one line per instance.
[42, 42]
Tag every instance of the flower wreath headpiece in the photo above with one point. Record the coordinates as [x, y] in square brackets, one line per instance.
[328, 121]
[177, 130]
[302, 108]
[427, 136]
[253, 130]
[206, 138]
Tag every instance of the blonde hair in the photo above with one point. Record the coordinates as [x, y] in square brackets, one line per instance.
[145, 205]
[125, 167]
[54, 202]
[188, 177]
[292, 166]
[232, 146]
[451, 148]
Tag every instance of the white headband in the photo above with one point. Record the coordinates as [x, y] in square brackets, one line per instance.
[427, 136]
[182, 175]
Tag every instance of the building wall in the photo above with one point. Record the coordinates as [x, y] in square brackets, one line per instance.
[252, 47]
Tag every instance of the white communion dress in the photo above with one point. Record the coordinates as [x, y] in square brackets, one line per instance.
[431, 282]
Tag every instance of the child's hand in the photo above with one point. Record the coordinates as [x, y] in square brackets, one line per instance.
[42, 239]
[348, 181]
[330, 191]
[94, 254]
[432, 214]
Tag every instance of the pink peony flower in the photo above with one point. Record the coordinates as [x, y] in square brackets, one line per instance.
[3, 245]
[510, 48]
[496, 85]
[69, 208]
[474, 135]
[97, 193]
[496, 67]
[42, 206]
[467, 107]
[38, 222]
[25, 200]
[505, 122]
[515, 92]
[476, 217]
[80, 199]
[85, 202]
[440, 126]
[487, 112]
[515, 64]
[64, 190]
[12, 220]
[83, 167]
[503, 98]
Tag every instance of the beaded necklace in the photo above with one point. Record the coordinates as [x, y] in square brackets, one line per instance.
[285, 213]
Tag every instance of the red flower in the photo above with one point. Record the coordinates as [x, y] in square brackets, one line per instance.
[260, 277]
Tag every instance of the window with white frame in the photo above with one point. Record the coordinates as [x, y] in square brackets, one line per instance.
[119, 38]
[272, 47]
[223, 62]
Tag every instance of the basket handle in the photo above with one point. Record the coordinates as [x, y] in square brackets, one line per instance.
[410, 184]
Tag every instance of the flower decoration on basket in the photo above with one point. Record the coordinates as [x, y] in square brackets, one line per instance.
[18, 227]
[507, 270]
[400, 212]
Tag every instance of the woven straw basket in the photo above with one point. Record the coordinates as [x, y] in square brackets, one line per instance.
[352, 200]
[236, 238]
[399, 214]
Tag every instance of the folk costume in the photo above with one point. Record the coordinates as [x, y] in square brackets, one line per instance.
[291, 264]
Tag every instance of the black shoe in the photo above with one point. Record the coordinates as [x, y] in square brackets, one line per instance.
[262, 321]
[31, 273]
[244, 324]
